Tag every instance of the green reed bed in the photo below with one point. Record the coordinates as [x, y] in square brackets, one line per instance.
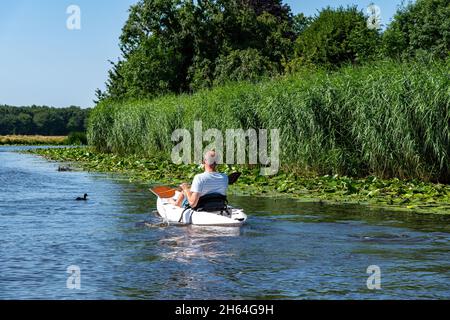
[392, 194]
[389, 120]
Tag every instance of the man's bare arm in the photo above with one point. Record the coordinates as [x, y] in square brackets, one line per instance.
[178, 202]
[192, 197]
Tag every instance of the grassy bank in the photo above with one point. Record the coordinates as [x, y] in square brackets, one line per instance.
[392, 194]
[32, 140]
[387, 120]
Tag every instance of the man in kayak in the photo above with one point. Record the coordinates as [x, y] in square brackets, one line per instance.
[205, 183]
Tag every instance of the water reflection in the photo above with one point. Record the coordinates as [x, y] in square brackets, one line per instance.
[196, 242]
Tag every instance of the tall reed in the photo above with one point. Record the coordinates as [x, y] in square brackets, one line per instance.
[387, 119]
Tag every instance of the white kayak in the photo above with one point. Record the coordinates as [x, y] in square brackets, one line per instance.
[170, 213]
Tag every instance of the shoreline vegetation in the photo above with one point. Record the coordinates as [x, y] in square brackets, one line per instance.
[42, 120]
[386, 119]
[74, 138]
[33, 140]
[370, 192]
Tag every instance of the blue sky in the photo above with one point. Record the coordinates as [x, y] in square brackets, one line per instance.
[44, 63]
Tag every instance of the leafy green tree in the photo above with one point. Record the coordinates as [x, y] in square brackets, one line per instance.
[74, 119]
[275, 8]
[201, 73]
[115, 85]
[154, 49]
[7, 124]
[336, 37]
[42, 120]
[151, 70]
[149, 18]
[50, 123]
[23, 123]
[176, 46]
[300, 23]
[418, 28]
[241, 65]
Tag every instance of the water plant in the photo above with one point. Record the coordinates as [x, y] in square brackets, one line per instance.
[410, 195]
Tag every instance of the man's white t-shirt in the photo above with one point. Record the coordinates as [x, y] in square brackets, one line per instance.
[210, 182]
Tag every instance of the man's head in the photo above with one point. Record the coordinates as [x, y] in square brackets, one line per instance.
[210, 160]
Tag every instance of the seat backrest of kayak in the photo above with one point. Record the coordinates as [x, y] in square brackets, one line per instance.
[212, 202]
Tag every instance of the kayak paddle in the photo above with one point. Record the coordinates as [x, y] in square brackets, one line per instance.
[164, 191]
[232, 178]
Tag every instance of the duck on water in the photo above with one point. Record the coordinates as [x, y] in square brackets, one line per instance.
[84, 198]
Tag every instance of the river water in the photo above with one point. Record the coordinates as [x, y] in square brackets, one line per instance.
[288, 249]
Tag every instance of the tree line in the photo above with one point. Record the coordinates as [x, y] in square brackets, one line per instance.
[42, 120]
[177, 46]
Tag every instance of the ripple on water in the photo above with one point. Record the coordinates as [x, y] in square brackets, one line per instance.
[288, 250]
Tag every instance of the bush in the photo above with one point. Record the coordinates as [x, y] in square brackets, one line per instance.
[77, 138]
[336, 37]
[242, 65]
[419, 28]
